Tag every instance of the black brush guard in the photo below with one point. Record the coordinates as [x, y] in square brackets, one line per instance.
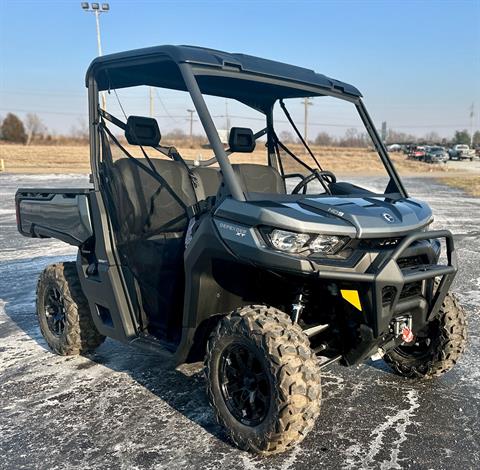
[389, 274]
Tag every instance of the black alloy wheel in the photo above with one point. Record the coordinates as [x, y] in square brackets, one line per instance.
[63, 312]
[245, 384]
[262, 379]
[55, 311]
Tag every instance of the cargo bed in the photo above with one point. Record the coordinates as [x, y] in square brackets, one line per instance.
[54, 213]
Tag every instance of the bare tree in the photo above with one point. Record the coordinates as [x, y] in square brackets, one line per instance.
[287, 137]
[34, 127]
[395, 137]
[80, 130]
[324, 139]
[432, 138]
[176, 134]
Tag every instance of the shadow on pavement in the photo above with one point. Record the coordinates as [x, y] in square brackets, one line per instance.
[183, 390]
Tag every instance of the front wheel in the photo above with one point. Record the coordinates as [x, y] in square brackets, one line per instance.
[437, 349]
[263, 381]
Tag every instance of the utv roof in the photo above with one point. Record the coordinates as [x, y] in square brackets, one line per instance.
[257, 82]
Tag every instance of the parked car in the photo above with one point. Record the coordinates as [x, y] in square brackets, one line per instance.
[417, 153]
[394, 148]
[436, 154]
[407, 148]
[461, 152]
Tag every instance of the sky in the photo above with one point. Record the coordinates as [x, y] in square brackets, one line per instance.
[417, 63]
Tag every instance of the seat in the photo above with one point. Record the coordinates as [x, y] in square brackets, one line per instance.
[146, 205]
[259, 178]
[209, 178]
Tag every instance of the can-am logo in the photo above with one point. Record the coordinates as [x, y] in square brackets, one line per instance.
[388, 217]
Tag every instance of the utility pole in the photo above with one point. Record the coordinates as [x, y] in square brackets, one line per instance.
[96, 9]
[227, 117]
[191, 111]
[306, 103]
[151, 101]
[384, 132]
[472, 118]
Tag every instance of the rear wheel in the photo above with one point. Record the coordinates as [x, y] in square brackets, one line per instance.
[262, 379]
[63, 313]
[438, 349]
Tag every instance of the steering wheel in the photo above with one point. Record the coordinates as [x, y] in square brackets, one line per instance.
[325, 177]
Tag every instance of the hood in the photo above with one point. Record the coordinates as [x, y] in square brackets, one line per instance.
[356, 217]
[374, 216]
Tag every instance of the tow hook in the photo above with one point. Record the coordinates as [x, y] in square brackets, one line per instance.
[407, 335]
[402, 327]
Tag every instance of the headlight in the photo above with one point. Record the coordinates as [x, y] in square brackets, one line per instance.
[327, 244]
[288, 241]
[294, 242]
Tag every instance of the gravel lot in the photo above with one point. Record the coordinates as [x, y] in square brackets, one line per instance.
[122, 408]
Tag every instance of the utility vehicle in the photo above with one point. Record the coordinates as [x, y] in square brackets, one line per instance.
[219, 262]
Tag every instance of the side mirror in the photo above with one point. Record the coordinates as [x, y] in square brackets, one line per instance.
[241, 139]
[142, 131]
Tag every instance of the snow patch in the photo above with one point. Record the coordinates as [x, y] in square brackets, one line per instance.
[359, 456]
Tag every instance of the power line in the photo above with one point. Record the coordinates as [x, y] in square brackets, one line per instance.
[62, 113]
[177, 118]
[164, 107]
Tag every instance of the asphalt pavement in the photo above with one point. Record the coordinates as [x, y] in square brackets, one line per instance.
[122, 408]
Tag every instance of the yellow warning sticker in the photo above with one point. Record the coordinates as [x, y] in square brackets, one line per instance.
[352, 297]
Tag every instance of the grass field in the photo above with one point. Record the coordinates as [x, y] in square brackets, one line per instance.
[470, 184]
[75, 159]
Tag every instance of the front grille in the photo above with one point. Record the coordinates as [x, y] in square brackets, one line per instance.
[411, 289]
[381, 243]
[388, 294]
[410, 261]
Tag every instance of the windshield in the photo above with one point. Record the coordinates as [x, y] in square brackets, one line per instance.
[312, 146]
[336, 142]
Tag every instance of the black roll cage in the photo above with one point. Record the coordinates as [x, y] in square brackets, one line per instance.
[189, 73]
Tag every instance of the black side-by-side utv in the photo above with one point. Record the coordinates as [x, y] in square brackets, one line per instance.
[218, 262]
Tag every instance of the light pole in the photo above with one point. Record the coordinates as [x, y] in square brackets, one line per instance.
[306, 103]
[191, 111]
[97, 9]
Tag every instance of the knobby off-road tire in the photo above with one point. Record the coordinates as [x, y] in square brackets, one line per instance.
[75, 333]
[448, 337]
[291, 372]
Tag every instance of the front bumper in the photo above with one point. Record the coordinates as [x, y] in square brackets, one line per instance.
[387, 275]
